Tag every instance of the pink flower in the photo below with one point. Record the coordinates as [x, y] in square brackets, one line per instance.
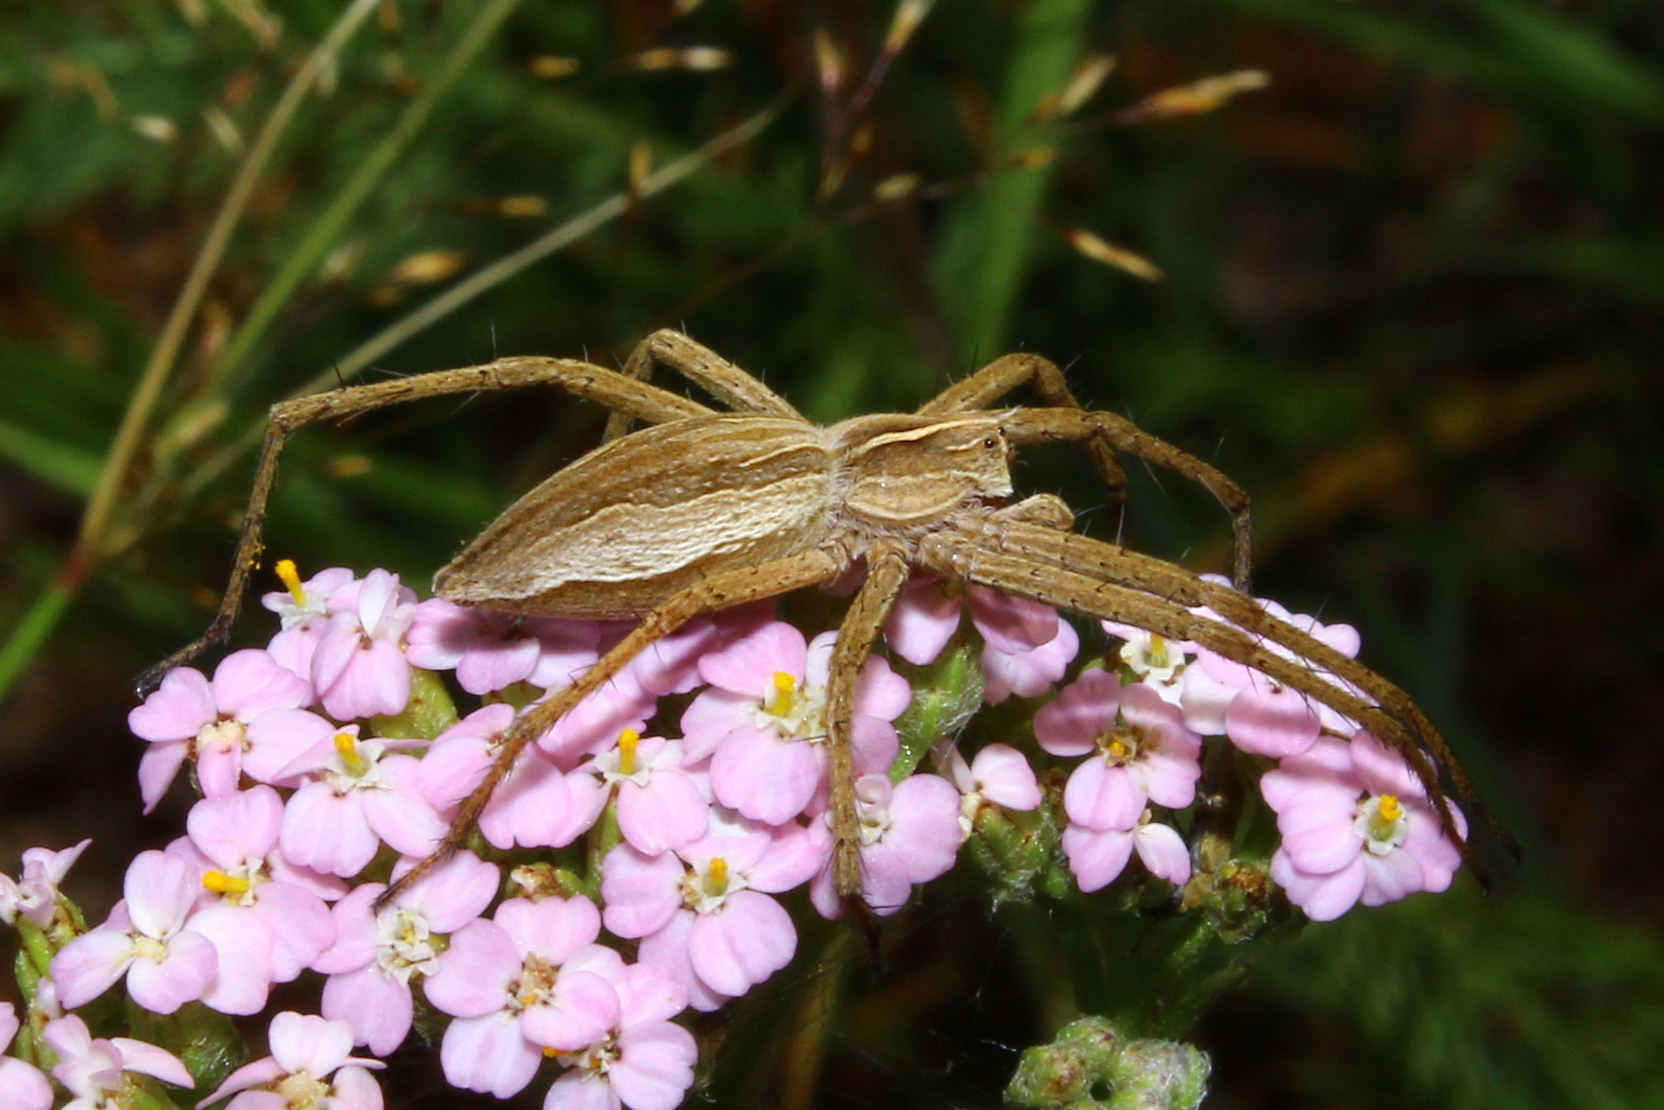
[188, 715]
[999, 776]
[645, 1062]
[93, 1070]
[536, 806]
[310, 1066]
[1028, 674]
[531, 979]
[361, 797]
[359, 668]
[704, 912]
[671, 665]
[35, 894]
[1357, 827]
[266, 917]
[1260, 715]
[660, 806]
[764, 726]
[21, 1085]
[1137, 746]
[490, 650]
[1158, 662]
[1098, 856]
[910, 833]
[927, 614]
[146, 939]
[303, 611]
[375, 954]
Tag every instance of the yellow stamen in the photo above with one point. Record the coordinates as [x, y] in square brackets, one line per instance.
[1158, 650]
[290, 578]
[1390, 810]
[221, 883]
[346, 744]
[1118, 749]
[785, 695]
[627, 741]
[716, 877]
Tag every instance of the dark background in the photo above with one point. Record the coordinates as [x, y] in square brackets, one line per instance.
[1411, 301]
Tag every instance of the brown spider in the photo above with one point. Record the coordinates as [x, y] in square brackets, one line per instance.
[704, 510]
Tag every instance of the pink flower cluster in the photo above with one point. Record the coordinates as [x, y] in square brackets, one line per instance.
[697, 783]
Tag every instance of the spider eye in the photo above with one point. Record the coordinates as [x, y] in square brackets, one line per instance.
[990, 443]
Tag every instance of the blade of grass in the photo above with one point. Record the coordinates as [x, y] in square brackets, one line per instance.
[985, 256]
[495, 273]
[27, 637]
[324, 232]
[95, 521]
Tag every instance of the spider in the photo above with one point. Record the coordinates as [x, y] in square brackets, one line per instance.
[702, 510]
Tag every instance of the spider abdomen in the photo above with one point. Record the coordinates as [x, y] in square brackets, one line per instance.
[634, 521]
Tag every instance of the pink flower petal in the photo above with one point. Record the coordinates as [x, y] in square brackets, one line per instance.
[1100, 796]
[309, 1043]
[90, 964]
[183, 703]
[150, 1060]
[1276, 723]
[377, 1007]
[327, 831]
[749, 940]
[1162, 851]
[765, 777]
[1096, 858]
[584, 1007]
[243, 944]
[162, 987]
[923, 621]
[232, 829]
[640, 893]
[1004, 777]
[249, 682]
[475, 972]
[655, 1066]
[748, 665]
[1011, 625]
[489, 1054]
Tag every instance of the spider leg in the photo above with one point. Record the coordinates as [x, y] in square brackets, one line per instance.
[610, 388]
[887, 573]
[719, 591]
[740, 391]
[1024, 426]
[1103, 581]
[983, 389]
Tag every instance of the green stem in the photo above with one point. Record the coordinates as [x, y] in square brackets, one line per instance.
[324, 232]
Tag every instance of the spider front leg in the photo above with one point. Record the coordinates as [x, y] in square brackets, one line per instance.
[1025, 426]
[723, 590]
[997, 380]
[610, 388]
[740, 391]
[886, 575]
[1046, 565]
